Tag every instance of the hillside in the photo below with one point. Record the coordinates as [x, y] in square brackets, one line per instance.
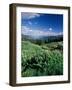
[38, 60]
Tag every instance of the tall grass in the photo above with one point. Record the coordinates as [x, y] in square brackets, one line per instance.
[39, 61]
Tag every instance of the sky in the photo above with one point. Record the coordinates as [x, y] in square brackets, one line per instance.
[40, 24]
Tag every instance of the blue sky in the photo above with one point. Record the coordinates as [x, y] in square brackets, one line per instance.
[35, 24]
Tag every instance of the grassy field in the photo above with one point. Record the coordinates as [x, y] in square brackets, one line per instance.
[41, 60]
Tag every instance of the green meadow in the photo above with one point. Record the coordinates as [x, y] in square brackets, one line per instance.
[41, 59]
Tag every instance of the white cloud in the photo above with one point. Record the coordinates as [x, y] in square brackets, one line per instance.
[60, 33]
[36, 33]
[30, 23]
[50, 29]
[29, 15]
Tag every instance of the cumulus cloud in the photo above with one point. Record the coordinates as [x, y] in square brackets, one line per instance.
[30, 32]
[50, 29]
[29, 15]
[30, 23]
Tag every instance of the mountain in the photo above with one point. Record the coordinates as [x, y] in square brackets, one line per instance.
[46, 38]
